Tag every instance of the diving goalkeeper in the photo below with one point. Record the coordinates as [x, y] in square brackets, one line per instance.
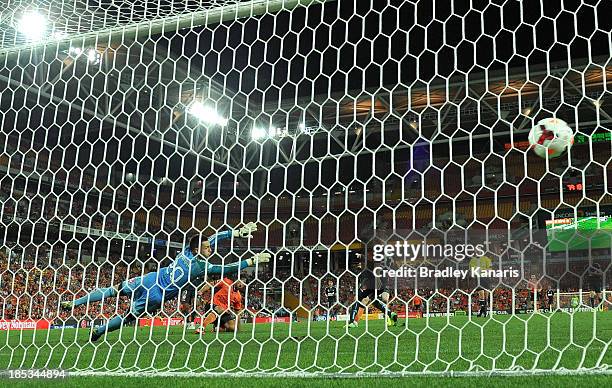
[149, 292]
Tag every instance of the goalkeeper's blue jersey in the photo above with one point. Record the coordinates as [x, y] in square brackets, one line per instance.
[186, 267]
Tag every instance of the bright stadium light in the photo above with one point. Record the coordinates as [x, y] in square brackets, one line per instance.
[258, 133]
[206, 114]
[33, 26]
[273, 132]
[76, 51]
[93, 56]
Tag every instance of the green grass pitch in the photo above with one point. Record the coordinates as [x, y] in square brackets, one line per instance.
[537, 341]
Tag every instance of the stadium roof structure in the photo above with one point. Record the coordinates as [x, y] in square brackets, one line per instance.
[87, 22]
[131, 98]
[99, 71]
[123, 96]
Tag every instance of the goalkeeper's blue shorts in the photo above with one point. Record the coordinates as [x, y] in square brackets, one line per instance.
[144, 292]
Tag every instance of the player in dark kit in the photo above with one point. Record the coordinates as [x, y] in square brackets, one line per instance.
[188, 294]
[482, 302]
[550, 297]
[331, 293]
[371, 290]
[592, 297]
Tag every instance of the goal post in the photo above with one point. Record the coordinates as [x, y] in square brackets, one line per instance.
[402, 224]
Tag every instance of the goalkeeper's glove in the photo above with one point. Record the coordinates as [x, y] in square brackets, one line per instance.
[245, 231]
[259, 259]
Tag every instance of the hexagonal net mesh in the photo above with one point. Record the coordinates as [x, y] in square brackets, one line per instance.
[65, 19]
[319, 187]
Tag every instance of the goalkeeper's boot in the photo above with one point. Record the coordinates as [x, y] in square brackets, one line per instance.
[95, 334]
[353, 325]
[392, 320]
[200, 331]
[67, 305]
[389, 321]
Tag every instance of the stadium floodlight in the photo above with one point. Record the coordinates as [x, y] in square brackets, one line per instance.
[33, 26]
[258, 133]
[206, 114]
[273, 131]
[76, 51]
[93, 56]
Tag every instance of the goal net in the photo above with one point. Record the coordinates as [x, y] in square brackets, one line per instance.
[344, 130]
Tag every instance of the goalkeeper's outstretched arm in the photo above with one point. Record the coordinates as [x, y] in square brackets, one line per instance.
[259, 258]
[245, 231]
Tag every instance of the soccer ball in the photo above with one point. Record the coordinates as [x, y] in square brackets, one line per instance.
[551, 137]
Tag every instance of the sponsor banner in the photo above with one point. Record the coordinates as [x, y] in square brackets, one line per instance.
[504, 312]
[147, 322]
[65, 326]
[26, 324]
[325, 317]
[575, 309]
[85, 323]
[433, 315]
[411, 314]
[243, 319]
[365, 317]
[270, 319]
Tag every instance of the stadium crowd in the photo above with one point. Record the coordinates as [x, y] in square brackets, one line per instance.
[32, 285]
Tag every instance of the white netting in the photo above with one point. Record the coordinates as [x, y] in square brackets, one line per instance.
[128, 126]
[67, 18]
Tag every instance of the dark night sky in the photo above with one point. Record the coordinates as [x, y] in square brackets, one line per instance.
[347, 45]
